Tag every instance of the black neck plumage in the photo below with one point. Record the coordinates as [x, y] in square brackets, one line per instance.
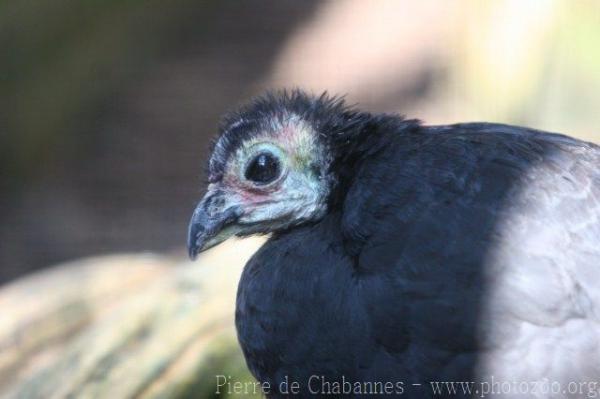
[363, 136]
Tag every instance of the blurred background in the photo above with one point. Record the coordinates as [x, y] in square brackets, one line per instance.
[107, 108]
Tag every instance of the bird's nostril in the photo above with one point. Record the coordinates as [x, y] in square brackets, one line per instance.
[214, 203]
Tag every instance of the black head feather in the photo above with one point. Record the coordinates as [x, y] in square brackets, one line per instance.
[344, 131]
[327, 115]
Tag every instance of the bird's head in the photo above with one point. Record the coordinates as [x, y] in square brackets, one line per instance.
[270, 168]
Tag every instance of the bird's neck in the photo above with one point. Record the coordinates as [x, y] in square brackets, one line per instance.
[356, 145]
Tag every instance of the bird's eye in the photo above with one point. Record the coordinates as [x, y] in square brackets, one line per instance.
[263, 169]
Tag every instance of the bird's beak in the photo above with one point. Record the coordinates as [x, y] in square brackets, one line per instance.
[213, 222]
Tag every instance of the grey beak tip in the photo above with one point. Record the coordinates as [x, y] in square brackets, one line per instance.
[192, 253]
[193, 256]
[193, 245]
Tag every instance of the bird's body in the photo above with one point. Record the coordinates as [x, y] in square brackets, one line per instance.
[452, 253]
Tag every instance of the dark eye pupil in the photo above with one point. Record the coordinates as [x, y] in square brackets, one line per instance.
[263, 169]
